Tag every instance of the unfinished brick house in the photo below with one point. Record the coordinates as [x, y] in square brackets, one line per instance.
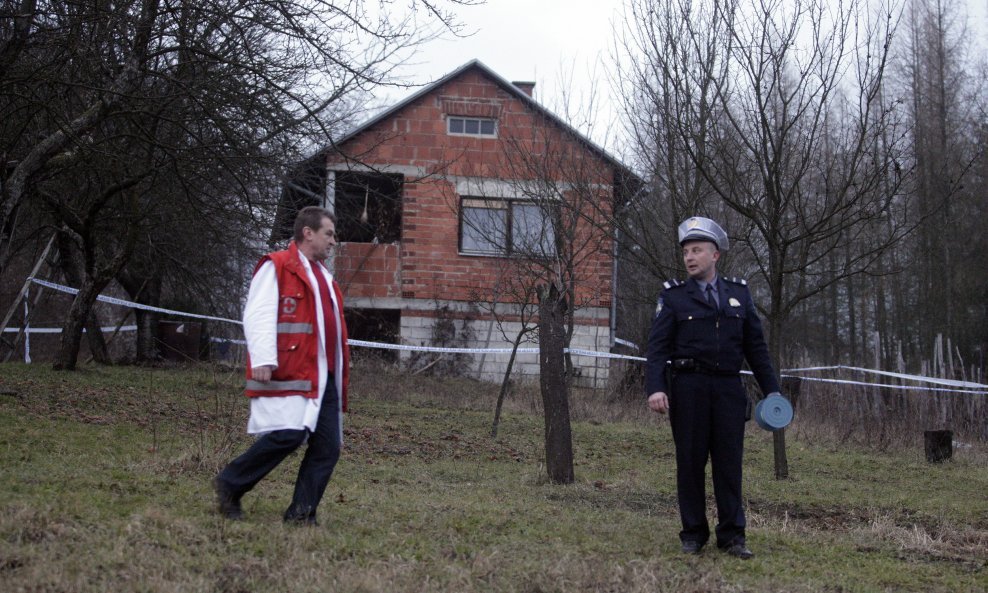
[453, 205]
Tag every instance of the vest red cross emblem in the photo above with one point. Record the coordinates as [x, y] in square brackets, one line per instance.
[288, 305]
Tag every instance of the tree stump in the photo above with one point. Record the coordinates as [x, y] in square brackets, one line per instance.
[939, 445]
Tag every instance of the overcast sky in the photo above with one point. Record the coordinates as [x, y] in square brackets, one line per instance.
[528, 40]
[548, 41]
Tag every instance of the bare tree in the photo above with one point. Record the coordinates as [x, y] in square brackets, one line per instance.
[511, 303]
[155, 107]
[773, 115]
[777, 108]
[553, 233]
[946, 100]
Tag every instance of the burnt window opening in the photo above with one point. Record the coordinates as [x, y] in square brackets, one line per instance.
[368, 207]
[375, 325]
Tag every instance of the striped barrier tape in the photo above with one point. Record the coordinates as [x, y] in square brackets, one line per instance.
[958, 386]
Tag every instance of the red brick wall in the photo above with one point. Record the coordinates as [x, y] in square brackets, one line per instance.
[368, 270]
[430, 265]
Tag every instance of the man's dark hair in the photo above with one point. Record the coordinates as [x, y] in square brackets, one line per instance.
[310, 217]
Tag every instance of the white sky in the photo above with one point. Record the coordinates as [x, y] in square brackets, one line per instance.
[542, 41]
[550, 42]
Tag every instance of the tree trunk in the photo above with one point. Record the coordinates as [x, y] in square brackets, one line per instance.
[505, 383]
[775, 345]
[68, 351]
[99, 271]
[145, 349]
[97, 343]
[72, 270]
[790, 390]
[146, 291]
[555, 390]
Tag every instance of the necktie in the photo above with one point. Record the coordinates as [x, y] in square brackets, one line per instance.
[711, 299]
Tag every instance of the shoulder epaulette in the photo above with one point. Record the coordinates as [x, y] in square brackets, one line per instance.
[672, 284]
[740, 281]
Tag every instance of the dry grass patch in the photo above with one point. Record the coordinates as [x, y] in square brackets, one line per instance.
[107, 487]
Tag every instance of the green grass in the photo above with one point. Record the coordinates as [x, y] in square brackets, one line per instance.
[107, 471]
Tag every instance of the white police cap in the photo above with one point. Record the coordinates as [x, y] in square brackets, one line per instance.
[699, 228]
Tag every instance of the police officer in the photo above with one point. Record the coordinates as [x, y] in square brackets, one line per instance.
[704, 329]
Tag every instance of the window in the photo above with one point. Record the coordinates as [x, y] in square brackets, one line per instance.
[483, 226]
[505, 227]
[532, 232]
[471, 126]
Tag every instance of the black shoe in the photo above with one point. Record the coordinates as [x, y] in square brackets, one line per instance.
[300, 517]
[739, 550]
[227, 503]
[301, 521]
[692, 547]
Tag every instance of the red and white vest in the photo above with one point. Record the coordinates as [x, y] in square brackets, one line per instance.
[298, 335]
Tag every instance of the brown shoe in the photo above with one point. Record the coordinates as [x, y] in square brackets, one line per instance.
[227, 504]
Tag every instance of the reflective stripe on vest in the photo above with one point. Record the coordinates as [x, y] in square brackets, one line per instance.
[299, 385]
[294, 328]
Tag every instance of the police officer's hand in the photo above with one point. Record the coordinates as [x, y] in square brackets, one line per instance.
[262, 373]
[659, 402]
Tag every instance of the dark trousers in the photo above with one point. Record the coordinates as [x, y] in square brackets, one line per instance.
[321, 455]
[707, 416]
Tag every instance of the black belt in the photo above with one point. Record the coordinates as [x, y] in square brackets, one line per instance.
[692, 365]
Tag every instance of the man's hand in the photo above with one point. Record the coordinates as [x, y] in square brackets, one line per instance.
[659, 402]
[262, 373]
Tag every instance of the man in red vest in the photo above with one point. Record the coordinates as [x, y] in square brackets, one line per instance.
[297, 370]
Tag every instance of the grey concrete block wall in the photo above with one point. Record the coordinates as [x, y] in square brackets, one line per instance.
[591, 371]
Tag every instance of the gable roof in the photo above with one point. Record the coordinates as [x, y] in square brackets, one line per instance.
[504, 84]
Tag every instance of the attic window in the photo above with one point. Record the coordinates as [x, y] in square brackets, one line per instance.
[471, 126]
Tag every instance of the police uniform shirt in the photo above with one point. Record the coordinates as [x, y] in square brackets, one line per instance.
[713, 289]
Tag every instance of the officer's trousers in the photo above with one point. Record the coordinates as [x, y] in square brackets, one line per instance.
[321, 455]
[707, 415]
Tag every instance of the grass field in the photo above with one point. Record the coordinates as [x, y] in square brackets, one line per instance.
[107, 471]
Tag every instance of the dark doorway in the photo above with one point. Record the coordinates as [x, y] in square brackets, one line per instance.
[375, 325]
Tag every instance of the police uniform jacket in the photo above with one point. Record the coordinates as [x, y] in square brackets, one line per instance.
[718, 341]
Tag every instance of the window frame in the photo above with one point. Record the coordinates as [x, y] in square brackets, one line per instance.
[509, 248]
[480, 126]
[479, 204]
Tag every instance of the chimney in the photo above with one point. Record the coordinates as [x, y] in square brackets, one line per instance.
[525, 86]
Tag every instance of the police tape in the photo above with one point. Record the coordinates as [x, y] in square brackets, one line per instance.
[358, 343]
[626, 343]
[58, 330]
[132, 305]
[966, 386]
[454, 350]
[886, 385]
[932, 380]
